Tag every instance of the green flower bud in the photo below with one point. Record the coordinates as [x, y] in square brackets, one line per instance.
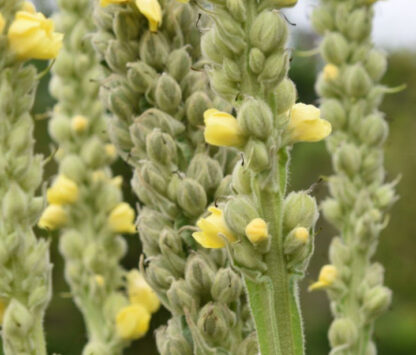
[285, 95]
[231, 70]
[275, 69]
[60, 129]
[358, 83]
[174, 344]
[181, 296]
[168, 93]
[161, 148]
[93, 153]
[347, 159]
[21, 135]
[373, 130]
[257, 155]
[214, 49]
[206, 171]
[224, 188]
[376, 301]
[18, 320]
[246, 257]
[195, 106]
[239, 212]
[230, 33]
[118, 54]
[119, 134]
[237, 9]
[179, 63]
[374, 275]
[141, 76]
[385, 196]
[339, 253]
[256, 119]
[193, 82]
[300, 210]
[372, 166]
[322, 20]
[192, 197]
[198, 274]
[114, 302]
[158, 273]
[241, 179]
[153, 176]
[268, 31]
[71, 244]
[343, 331]
[171, 246]
[125, 26]
[223, 85]
[227, 286]
[215, 320]
[94, 257]
[72, 167]
[375, 64]
[256, 60]
[108, 198]
[154, 50]
[359, 24]
[39, 297]
[333, 111]
[121, 103]
[249, 345]
[335, 48]
[150, 224]
[14, 204]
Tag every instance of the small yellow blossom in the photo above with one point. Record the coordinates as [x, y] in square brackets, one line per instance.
[3, 306]
[301, 234]
[222, 129]
[63, 191]
[256, 230]
[99, 280]
[53, 217]
[140, 292]
[110, 151]
[121, 219]
[306, 125]
[152, 11]
[327, 277]
[98, 175]
[213, 228]
[117, 181]
[2, 23]
[32, 36]
[28, 7]
[132, 322]
[79, 124]
[330, 72]
[105, 3]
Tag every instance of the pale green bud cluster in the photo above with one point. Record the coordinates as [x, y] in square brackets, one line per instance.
[350, 90]
[89, 240]
[158, 100]
[25, 276]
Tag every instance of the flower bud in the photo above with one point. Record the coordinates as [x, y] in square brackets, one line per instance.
[342, 331]
[255, 118]
[332, 211]
[375, 64]
[181, 296]
[376, 301]
[246, 257]
[347, 159]
[268, 31]
[72, 244]
[154, 50]
[330, 72]
[373, 130]
[333, 111]
[121, 219]
[359, 24]
[168, 93]
[60, 129]
[161, 148]
[79, 124]
[199, 274]
[72, 167]
[257, 155]
[238, 213]
[322, 20]
[335, 48]
[215, 320]
[231, 70]
[118, 54]
[63, 191]
[327, 277]
[238, 9]
[227, 286]
[173, 344]
[256, 231]
[141, 76]
[222, 84]
[256, 60]
[191, 197]
[285, 95]
[171, 247]
[158, 274]
[241, 179]
[132, 322]
[93, 153]
[214, 49]
[296, 239]
[374, 275]
[18, 320]
[179, 63]
[14, 204]
[206, 171]
[195, 106]
[339, 253]
[358, 82]
[275, 69]
[249, 345]
[300, 210]
[385, 196]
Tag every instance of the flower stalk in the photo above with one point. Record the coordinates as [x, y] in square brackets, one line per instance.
[359, 196]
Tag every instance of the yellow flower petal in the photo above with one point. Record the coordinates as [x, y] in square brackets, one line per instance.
[140, 292]
[2, 23]
[152, 11]
[79, 123]
[132, 322]
[63, 191]
[121, 219]
[330, 72]
[256, 230]
[53, 217]
[327, 277]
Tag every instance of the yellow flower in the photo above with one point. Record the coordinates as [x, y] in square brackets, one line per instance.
[330, 72]
[121, 219]
[99, 280]
[256, 230]
[212, 228]
[301, 234]
[63, 191]
[105, 3]
[327, 277]
[132, 322]
[53, 217]
[117, 181]
[222, 129]
[28, 7]
[110, 151]
[152, 11]
[79, 123]
[3, 306]
[2, 23]
[31, 35]
[140, 292]
[305, 124]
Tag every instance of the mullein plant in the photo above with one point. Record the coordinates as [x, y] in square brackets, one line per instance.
[351, 93]
[25, 269]
[268, 233]
[85, 200]
[157, 100]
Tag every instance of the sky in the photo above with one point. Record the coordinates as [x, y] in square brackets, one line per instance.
[394, 23]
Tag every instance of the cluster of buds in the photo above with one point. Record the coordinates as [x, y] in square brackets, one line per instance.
[350, 91]
[158, 103]
[85, 200]
[24, 260]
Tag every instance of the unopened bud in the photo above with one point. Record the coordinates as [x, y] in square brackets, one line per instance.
[238, 213]
[300, 210]
[358, 82]
[206, 171]
[347, 159]
[285, 95]
[256, 60]
[339, 253]
[333, 111]
[154, 50]
[141, 76]
[257, 155]
[255, 118]
[196, 105]
[191, 197]
[215, 319]
[342, 331]
[335, 48]
[227, 286]
[179, 63]
[72, 167]
[376, 301]
[241, 180]
[181, 296]
[256, 231]
[161, 148]
[199, 274]
[373, 130]
[376, 64]
[168, 93]
[268, 31]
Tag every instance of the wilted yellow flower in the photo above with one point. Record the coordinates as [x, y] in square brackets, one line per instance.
[132, 321]
[305, 124]
[53, 217]
[31, 35]
[330, 72]
[110, 150]
[140, 292]
[63, 191]
[79, 123]
[256, 230]
[29, 7]
[152, 11]
[301, 234]
[3, 306]
[2, 23]
[222, 129]
[105, 3]
[121, 219]
[327, 276]
[212, 228]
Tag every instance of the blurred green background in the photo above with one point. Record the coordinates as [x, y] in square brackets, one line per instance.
[396, 331]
